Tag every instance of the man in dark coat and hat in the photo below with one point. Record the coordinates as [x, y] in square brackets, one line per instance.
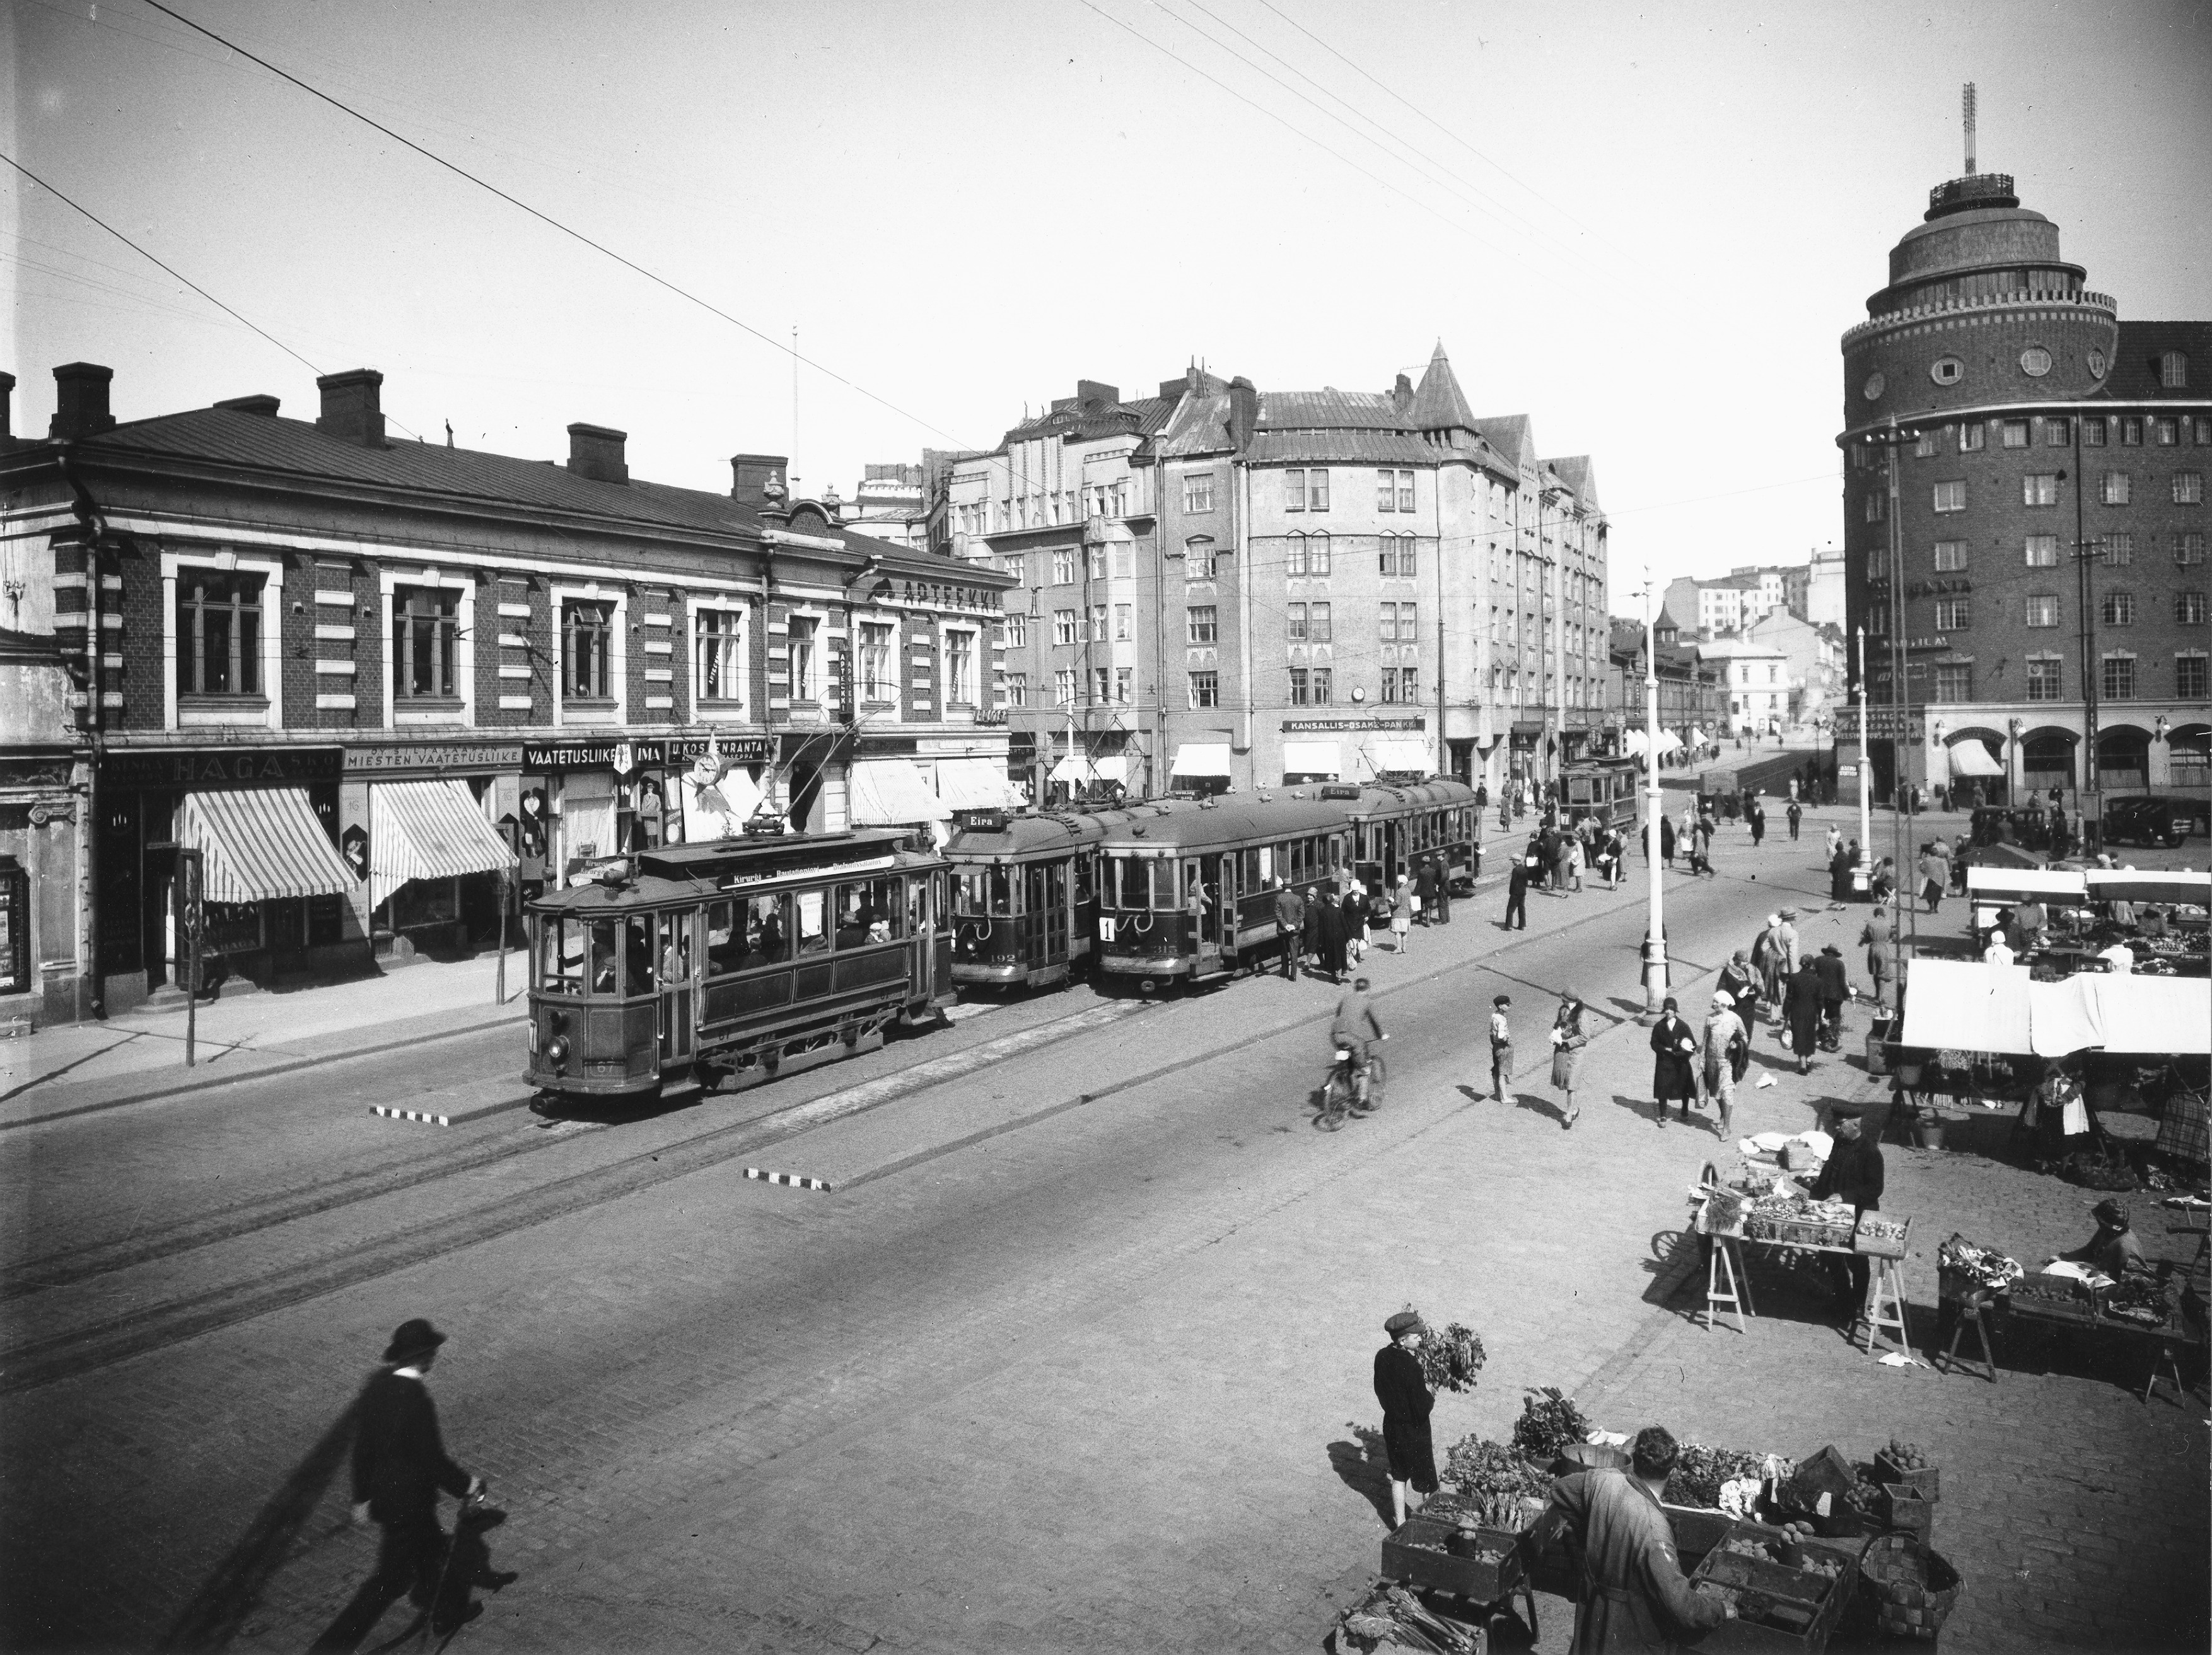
[399, 1467]
[1835, 989]
[1403, 1390]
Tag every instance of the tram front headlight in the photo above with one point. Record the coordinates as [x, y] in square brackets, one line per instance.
[556, 1051]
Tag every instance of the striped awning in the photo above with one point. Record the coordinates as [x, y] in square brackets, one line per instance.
[260, 845]
[891, 793]
[427, 830]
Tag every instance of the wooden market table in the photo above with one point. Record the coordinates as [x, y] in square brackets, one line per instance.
[1728, 1282]
[2161, 1346]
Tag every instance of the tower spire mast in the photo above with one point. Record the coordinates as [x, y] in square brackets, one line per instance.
[1968, 101]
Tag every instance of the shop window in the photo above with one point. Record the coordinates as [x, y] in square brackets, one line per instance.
[586, 643]
[425, 625]
[718, 655]
[218, 633]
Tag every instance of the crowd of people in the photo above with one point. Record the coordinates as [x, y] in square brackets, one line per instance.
[1330, 932]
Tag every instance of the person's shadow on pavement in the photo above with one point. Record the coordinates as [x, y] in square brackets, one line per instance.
[1363, 1465]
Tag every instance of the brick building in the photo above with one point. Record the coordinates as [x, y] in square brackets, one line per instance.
[1235, 587]
[2051, 508]
[362, 677]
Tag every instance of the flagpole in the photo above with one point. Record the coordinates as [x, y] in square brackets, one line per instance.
[1655, 931]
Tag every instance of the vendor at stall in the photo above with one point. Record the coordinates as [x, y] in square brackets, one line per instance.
[2119, 959]
[2115, 1249]
[2153, 924]
[1852, 1173]
[1403, 1390]
[2027, 923]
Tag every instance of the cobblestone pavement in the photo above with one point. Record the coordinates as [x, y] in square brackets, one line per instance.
[1075, 1357]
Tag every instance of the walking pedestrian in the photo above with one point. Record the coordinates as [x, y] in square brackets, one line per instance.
[1631, 1595]
[1667, 839]
[1501, 1047]
[1289, 926]
[1725, 1043]
[1834, 842]
[399, 1468]
[1791, 947]
[1401, 914]
[1673, 1079]
[1801, 1006]
[1403, 1390]
[1742, 987]
[1835, 989]
[1353, 912]
[1766, 957]
[1516, 896]
[1795, 813]
[1756, 815]
[1877, 934]
[1934, 877]
[1568, 1040]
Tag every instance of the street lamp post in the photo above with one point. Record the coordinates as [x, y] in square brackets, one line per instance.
[1900, 691]
[1655, 926]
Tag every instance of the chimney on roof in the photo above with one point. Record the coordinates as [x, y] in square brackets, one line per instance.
[352, 406]
[264, 406]
[1089, 391]
[7, 402]
[1402, 394]
[1243, 410]
[757, 481]
[596, 452]
[81, 401]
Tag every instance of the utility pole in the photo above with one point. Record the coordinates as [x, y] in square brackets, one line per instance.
[2091, 791]
[1866, 784]
[1901, 690]
[1655, 923]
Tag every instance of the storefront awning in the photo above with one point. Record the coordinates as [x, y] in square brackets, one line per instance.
[1401, 754]
[427, 830]
[1115, 768]
[975, 784]
[1196, 758]
[891, 793]
[2131, 884]
[1970, 757]
[1072, 769]
[1312, 759]
[260, 845]
[1961, 1006]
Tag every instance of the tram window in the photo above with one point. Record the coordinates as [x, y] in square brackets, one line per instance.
[1267, 862]
[813, 937]
[1005, 891]
[675, 950]
[883, 910]
[561, 969]
[845, 924]
[767, 931]
[1086, 873]
[1124, 882]
[968, 898]
[1163, 885]
[1253, 877]
[1057, 885]
[637, 955]
[726, 944]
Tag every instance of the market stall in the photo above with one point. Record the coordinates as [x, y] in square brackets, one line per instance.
[1758, 1208]
[1978, 1007]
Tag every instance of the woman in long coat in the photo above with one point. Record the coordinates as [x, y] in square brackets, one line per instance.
[1667, 840]
[1352, 910]
[1673, 1076]
[1801, 1005]
[1568, 1040]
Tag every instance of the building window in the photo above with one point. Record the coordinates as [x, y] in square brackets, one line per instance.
[2041, 608]
[1317, 490]
[1875, 508]
[1018, 631]
[218, 634]
[2043, 679]
[1973, 436]
[1063, 687]
[1398, 557]
[2173, 371]
[1950, 556]
[2116, 489]
[1301, 688]
[1294, 555]
[1094, 560]
[1954, 683]
[2093, 431]
[2042, 550]
[1951, 614]
[2189, 608]
[1063, 626]
[1295, 627]
[1319, 680]
[2130, 431]
[2116, 609]
[1204, 620]
[2189, 548]
[1198, 560]
[1386, 491]
[1063, 566]
[718, 663]
[1099, 686]
[1318, 623]
[587, 632]
[2039, 489]
[2119, 549]
[1098, 623]
[1204, 690]
[2166, 431]
[1405, 491]
[2057, 431]
[805, 685]
[2013, 433]
[2189, 487]
[1017, 688]
[1198, 493]
[1117, 498]
[1950, 497]
[2200, 430]
[1946, 370]
[960, 667]
[1294, 489]
[424, 628]
[2119, 678]
[1125, 678]
[2189, 679]
[1400, 623]
[1317, 552]
[1125, 623]
[1399, 686]
[1923, 447]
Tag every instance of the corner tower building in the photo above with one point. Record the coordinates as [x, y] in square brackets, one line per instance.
[2046, 426]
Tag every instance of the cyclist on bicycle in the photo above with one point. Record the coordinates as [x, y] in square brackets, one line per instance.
[1354, 1026]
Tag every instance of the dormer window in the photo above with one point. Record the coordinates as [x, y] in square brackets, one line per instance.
[2173, 371]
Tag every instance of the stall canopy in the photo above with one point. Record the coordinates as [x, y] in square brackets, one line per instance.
[427, 830]
[2004, 883]
[1401, 753]
[1952, 1005]
[2128, 885]
[975, 784]
[891, 793]
[1970, 758]
[261, 846]
[1196, 758]
[1312, 759]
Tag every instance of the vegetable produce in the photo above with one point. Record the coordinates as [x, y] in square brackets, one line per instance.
[1482, 1471]
[1906, 1456]
[1451, 1360]
[1700, 1471]
[1549, 1422]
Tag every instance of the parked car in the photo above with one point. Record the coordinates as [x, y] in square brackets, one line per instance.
[2151, 820]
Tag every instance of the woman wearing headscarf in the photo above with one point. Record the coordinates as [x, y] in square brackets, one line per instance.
[1672, 1077]
[1568, 1039]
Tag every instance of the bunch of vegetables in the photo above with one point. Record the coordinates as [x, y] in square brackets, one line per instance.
[1699, 1472]
[1984, 1266]
[2138, 1299]
[1906, 1456]
[1451, 1360]
[1549, 1422]
[1485, 1472]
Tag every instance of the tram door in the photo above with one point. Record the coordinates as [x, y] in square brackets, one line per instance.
[678, 990]
[1223, 914]
[1056, 913]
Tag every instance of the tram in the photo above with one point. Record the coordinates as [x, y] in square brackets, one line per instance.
[1025, 894]
[734, 962]
[1607, 789]
[1188, 896]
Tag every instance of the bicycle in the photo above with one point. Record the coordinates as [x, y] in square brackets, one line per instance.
[1349, 1091]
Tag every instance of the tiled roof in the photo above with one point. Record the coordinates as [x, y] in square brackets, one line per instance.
[1139, 418]
[1351, 448]
[2134, 377]
[1438, 404]
[1508, 433]
[1332, 410]
[1578, 474]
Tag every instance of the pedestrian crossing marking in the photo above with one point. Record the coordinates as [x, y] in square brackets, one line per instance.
[789, 1179]
[415, 1115]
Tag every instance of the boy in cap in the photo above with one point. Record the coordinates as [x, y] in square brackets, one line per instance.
[1501, 1047]
[1403, 1390]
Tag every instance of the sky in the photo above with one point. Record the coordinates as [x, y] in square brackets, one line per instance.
[1645, 227]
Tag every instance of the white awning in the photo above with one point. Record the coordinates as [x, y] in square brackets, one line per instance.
[427, 830]
[975, 784]
[891, 793]
[1203, 759]
[1073, 768]
[1113, 769]
[1963, 1005]
[1312, 759]
[2134, 885]
[1971, 757]
[2008, 882]
[1401, 753]
[717, 800]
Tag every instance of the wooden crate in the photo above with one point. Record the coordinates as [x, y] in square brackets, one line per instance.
[1927, 1482]
[1908, 1511]
[1803, 1607]
[1417, 1555]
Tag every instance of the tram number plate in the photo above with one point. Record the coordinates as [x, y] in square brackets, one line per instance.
[1105, 930]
